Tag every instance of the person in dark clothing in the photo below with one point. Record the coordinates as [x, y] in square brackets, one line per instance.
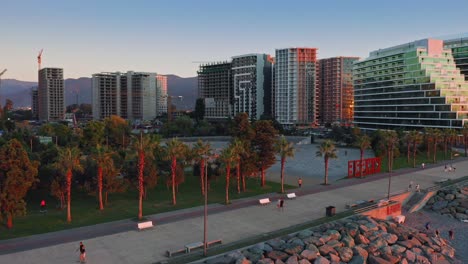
[82, 253]
[451, 234]
[437, 232]
[428, 225]
[281, 204]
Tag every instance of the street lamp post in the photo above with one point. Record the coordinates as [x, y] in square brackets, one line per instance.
[205, 219]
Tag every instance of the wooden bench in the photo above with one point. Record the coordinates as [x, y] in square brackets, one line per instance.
[264, 201]
[170, 253]
[214, 242]
[144, 225]
[291, 195]
[194, 245]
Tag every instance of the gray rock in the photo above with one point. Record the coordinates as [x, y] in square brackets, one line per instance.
[377, 260]
[398, 250]
[461, 216]
[276, 244]
[256, 250]
[348, 241]
[449, 197]
[460, 209]
[379, 242]
[352, 229]
[390, 258]
[321, 260]
[243, 261]
[292, 260]
[447, 251]
[277, 255]
[359, 251]
[460, 196]
[363, 228]
[357, 260]
[309, 254]
[293, 248]
[453, 204]
[252, 256]
[386, 250]
[279, 261]
[390, 238]
[335, 243]
[313, 248]
[334, 234]
[439, 205]
[422, 260]
[372, 227]
[403, 261]
[304, 234]
[326, 249]
[360, 239]
[304, 261]
[417, 251]
[334, 258]
[346, 253]
[266, 261]
[410, 256]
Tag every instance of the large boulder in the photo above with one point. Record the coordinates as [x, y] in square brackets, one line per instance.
[276, 244]
[321, 260]
[410, 256]
[390, 238]
[292, 260]
[360, 239]
[346, 253]
[377, 260]
[313, 240]
[277, 255]
[439, 205]
[304, 234]
[326, 249]
[357, 260]
[309, 254]
[334, 258]
[335, 243]
[313, 248]
[293, 248]
[390, 258]
[359, 251]
[352, 229]
[252, 256]
[334, 234]
[398, 250]
[348, 241]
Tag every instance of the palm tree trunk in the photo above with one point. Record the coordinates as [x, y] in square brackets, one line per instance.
[435, 152]
[69, 178]
[408, 143]
[101, 206]
[228, 174]
[202, 176]
[414, 154]
[445, 149]
[428, 149]
[282, 174]
[173, 170]
[326, 170]
[263, 176]
[141, 167]
[243, 182]
[9, 221]
[238, 175]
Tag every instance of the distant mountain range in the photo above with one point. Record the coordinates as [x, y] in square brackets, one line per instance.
[79, 91]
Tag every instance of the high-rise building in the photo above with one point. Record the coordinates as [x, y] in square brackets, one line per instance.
[162, 94]
[410, 86]
[296, 89]
[51, 100]
[336, 90]
[459, 49]
[251, 76]
[130, 95]
[215, 86]
[35, 103]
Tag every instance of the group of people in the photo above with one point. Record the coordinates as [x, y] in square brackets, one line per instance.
[416, 187]
[451, 233]
[449, 168]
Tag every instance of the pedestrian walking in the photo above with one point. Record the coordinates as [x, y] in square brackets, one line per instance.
[281, 204]
[423, 165]
[278, 204]
[428, 225]
[451, 234]
[417, 188]
[410, 186]
[437, 232]
[299, 182]
[82, 253]
[445, 169]
[43, 206]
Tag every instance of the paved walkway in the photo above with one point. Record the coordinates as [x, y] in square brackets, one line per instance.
[119, 242]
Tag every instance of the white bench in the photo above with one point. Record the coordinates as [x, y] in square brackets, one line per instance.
[194, 245]
[144, 225]
[170, 253]
[291, 195]
[264, 201]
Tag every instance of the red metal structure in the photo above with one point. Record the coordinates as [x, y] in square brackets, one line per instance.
[369, 166]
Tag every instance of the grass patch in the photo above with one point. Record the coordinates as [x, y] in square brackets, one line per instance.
[401, 161]
[85, 210]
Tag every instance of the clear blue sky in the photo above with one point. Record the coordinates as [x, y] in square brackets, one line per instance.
[85, 37]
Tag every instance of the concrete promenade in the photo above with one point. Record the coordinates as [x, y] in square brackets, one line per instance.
[119, 242]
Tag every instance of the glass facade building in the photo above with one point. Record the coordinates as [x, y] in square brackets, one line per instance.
[410, 86]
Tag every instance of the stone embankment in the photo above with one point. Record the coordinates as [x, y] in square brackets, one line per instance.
[452, 202]
[356, 240]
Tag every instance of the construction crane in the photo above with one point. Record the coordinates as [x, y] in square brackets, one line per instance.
[39, 58]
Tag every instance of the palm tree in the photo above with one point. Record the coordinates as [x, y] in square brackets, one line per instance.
[175, 149]
[429, 138]
[68, 160]
[437, 134]
[327, 150]
[228, 156]
[285, 149]
[390, 139]
[144, 147]
[201, 151]
[465, 138]
[363, 142]
[103, 158]
[452, 138]
[238, 149]
[446, 134]
[416, 138]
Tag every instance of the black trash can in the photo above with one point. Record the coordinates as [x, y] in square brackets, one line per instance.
[330, 210]
[312, 139]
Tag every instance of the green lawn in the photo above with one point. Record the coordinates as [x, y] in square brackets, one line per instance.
[123, 206]
[401, 161]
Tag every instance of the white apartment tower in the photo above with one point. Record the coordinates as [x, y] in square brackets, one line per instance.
[131, 95]
[51, 100]
[295, 91]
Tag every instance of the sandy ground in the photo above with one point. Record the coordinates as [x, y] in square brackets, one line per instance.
[443, 224]
[307, 165]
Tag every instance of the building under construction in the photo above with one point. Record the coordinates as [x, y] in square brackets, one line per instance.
[215, 86]
[35, 103]
[336, 90]
[130, 95]
[51, 99]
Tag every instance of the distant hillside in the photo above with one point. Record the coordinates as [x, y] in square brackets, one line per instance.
[79, 90]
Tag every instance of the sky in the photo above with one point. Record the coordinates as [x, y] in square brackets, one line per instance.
[174, 36]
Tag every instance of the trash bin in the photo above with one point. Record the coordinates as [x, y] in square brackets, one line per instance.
[312, 139]
[330, 210]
